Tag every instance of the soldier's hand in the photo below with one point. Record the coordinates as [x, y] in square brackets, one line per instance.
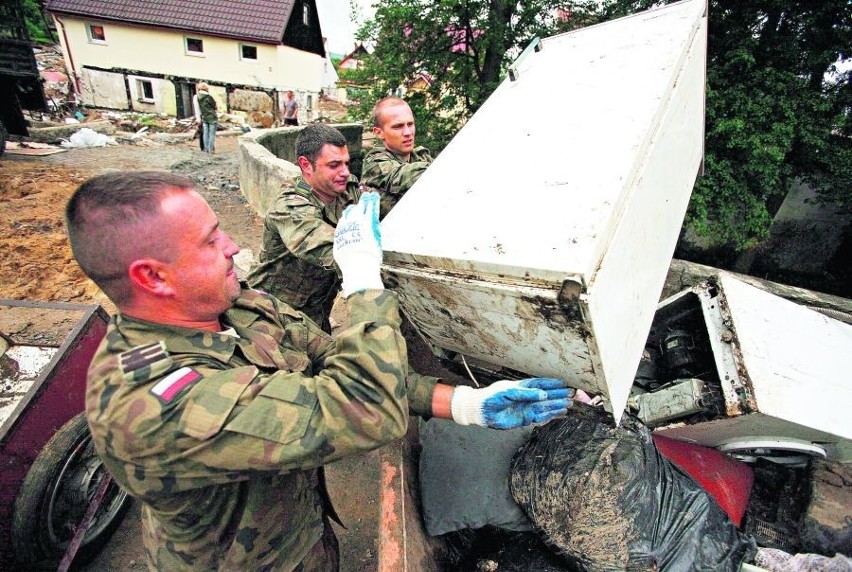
[509, 404]
[358, 246]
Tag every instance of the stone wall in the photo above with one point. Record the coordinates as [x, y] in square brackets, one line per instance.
[268, 161]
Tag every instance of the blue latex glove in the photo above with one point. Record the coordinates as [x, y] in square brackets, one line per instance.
[509, 404]
[358, 246]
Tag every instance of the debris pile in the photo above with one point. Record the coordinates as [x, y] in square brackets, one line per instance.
[64, 112]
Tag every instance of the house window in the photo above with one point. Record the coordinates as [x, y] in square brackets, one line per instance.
[195, 46]
[306, 14]
[248, 52]
[145, 90]
[96, 33]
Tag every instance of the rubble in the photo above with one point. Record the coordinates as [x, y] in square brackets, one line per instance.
[52, 133]
[65, 115]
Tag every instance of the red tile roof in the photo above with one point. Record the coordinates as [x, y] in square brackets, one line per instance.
[256, 20]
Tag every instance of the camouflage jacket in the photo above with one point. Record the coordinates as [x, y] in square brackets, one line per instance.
[220, 436]
[390, 175]
[295, 263]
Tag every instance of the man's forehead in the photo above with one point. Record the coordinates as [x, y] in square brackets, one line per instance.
[397, 112]
[331, 152]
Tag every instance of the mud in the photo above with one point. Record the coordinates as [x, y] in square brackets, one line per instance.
[581, 508]
[36, 261]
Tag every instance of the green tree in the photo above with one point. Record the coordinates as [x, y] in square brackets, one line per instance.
[462, 47]
[36, 23]
[770, 114]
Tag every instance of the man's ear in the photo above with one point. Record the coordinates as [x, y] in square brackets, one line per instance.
[149, 275]
[377, 131]
[304, 164]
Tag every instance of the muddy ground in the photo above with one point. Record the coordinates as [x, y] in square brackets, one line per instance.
[36, 259]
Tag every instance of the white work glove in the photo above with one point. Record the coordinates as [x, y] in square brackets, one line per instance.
[358, 246]
[509, 404]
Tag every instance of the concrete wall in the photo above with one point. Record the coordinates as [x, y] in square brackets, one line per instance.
[268, 161]
[805, 234]
[103, 89]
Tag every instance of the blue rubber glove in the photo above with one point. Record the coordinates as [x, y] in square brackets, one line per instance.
[358, 246]
[509, 404]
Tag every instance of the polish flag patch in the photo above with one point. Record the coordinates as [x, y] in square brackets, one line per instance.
[174, 383]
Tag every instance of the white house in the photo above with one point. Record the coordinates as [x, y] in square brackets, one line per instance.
[147, 55]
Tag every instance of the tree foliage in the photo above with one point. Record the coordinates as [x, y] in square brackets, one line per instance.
[461, 47]
[37, 28]
[771, 116]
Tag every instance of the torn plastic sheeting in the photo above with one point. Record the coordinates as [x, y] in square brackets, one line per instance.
[605, 498]
[86, 137]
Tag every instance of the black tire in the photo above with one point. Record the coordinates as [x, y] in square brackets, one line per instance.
[54, 496]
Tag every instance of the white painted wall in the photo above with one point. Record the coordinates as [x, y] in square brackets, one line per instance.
[103, 89]
[155, 51]
[164, 95]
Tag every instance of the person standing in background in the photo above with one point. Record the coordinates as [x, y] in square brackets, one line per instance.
[199, 125]
[291, 110]
[207, 116]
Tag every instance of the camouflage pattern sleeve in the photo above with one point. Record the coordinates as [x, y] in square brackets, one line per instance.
[420, 390]
[391, 176]
[186, 418]
[356, 402]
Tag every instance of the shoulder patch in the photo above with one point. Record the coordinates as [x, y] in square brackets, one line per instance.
[144, 362]
[174, 383]
[142, 356]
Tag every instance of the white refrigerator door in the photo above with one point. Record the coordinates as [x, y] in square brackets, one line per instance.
[540, 238]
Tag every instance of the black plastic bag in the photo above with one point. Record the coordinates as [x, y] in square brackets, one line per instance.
[606, 499]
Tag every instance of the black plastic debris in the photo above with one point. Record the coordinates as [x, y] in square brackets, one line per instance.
[606, 499]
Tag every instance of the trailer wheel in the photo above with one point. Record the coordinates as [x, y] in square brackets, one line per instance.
[54, 496]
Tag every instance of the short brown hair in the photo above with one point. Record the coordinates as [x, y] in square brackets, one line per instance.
[110, 220]
[314, 137]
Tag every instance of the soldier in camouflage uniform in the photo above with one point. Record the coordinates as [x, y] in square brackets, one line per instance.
[216, 406]
[295, 263]
[394, 164]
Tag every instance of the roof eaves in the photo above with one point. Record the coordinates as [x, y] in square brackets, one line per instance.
[187, 28]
